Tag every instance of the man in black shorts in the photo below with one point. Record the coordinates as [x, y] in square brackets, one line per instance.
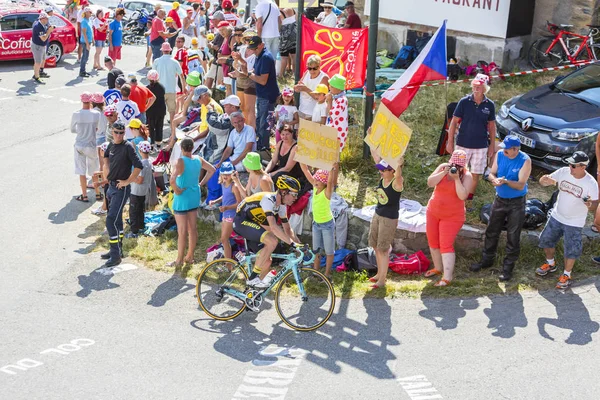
[255, 220]
[121, 167]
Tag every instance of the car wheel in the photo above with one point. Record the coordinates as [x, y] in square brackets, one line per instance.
[55, 49]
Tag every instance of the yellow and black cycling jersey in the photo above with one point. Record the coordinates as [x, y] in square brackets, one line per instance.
[259, 206]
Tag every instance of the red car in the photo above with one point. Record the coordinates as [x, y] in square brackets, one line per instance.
[15, 34]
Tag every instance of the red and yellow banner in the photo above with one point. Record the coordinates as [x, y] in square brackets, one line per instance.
[342, 51]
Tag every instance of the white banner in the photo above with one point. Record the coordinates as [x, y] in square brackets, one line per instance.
[483, 17]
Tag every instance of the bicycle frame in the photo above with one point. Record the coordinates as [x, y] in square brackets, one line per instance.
[292, 263]
[572, 57]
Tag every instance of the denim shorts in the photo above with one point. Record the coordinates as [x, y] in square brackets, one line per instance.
[99, 43]
[323, 237]
[572, 242]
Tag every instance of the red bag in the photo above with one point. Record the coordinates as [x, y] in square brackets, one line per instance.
[406, 264]
[50, 62]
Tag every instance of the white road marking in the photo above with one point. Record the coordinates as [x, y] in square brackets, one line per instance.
[7, 90]
[6, 98]
[419, 388]
[73, 86]
[117, 269]
[271, 376]
[63, 349]
[68, 101]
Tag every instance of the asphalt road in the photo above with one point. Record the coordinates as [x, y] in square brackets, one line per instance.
[68, 332]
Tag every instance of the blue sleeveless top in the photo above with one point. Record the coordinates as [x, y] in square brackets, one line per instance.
[227, 200]
[509, 169]
[190, 198]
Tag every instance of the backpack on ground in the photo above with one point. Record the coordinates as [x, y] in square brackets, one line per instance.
[409, 264]
[405, 57]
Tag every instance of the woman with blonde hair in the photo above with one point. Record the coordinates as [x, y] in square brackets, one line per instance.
[308, 84]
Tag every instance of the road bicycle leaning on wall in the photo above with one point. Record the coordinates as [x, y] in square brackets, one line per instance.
[564, 47]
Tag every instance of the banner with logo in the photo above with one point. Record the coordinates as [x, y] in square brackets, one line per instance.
[389, 137]
[342, 51]
[318, 145]
[294, 3]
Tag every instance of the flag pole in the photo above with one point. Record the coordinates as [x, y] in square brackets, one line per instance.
[299, 56]
[371, 67]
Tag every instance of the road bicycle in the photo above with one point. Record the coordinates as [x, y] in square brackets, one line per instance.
[304, 297]
[565, 47]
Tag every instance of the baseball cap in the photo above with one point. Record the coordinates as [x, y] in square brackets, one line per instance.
[481, 79]
[120, 81]
[199, 91]
[223, 24]
[118, 125]
[87, 9]
[579, 157]
[254, 42]
[108, 59]
[175, 4]
[189, 11]
[131, 77]
[168, 19]
[110, 109]
[349, 4]
[86, 97]
[321, 88]
[144, 146]
[135, 123]
[227, 168]
[287, 92]
[43, 15]
[194, 40]
[166, 47]
[226, 4]
[383, 166]
[231, 100]
[152, 75]
[510, 141]
[218, 15]
[337, 81]
[49, 9]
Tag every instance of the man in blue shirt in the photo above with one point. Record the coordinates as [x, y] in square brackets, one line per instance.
[86, 40]
[475, 121]
[39, 40]
[267, 91]
[115, 36]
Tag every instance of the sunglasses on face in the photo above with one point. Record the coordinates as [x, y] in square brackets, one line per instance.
[313, 68]
[118, 132]
[293, 194]
[237, 34]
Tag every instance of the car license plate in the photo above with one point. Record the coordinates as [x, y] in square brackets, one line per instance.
[525, 140]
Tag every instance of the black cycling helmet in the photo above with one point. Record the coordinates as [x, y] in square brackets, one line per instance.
[286, 182]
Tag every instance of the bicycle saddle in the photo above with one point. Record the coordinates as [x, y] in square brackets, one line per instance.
[565, 26]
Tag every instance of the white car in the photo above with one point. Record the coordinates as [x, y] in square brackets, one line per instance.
[59, 6]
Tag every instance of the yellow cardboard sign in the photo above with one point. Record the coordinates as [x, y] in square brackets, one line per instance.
[389, 137]
[294, 3]
[318, 145]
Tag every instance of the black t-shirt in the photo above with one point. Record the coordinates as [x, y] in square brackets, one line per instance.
[217, 41]
[388, 200]
[172, 39]
[122, 158]
[159, 107]
[112, 77]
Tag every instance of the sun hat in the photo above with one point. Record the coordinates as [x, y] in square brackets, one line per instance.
[249, 33]
[287, 92]
[579, 157]
[49, 9]
[210, 36]
[194, 40]
[87, 9]
[218, 15]
[110, 109]
[86, 97]
[510, 141]
[459, 157]
[43, 15]
[322, 176]
[144, 146]
[383, 166]
[223, 24]
[152, 75]
[321, 89]
[175, 4]
[227, 168]
[327, 4]
[193, 79]
[165, 47]
[252, 161]
[338, 81]
[135, 123]
[169, 19]
[231, 100]
[199, 91]
[97, 98]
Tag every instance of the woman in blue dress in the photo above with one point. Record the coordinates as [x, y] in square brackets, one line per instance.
[186, 183]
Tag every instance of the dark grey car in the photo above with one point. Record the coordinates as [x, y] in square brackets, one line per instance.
[554, 120]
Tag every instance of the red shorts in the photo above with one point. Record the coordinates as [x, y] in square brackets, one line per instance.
[115, 53]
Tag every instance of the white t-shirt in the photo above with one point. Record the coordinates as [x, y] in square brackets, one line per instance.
[271, 26]
[285, 114]
[319, 112]
[328, 20]
[126, 111]
[570, 208]
[233, 19]
[80, 15]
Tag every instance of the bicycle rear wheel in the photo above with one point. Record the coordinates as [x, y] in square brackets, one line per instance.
[538, 57]
[211, 290]
[311, 311]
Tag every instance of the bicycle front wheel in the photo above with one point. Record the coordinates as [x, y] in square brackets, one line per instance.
[215, 284]
[306, 304]
[538, 57]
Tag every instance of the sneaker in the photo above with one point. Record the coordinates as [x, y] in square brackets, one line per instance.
[545, 269]
[563, 282]
[99, 211]
[131, 235]
[269, 278]
[253, 282]
[596, 260]
[84, 75]
[44, 75]
[38, 80]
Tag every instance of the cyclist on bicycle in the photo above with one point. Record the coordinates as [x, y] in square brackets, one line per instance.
[255, 220]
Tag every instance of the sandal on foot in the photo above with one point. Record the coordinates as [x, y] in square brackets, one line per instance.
[442, 282]
[594, 229]
[99, 197]
[192, 261]
[82, 198]
[432, 272]
[373, 279]
[376, 286]
[173, 264]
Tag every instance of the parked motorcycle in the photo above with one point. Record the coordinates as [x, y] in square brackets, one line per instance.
[135, 27]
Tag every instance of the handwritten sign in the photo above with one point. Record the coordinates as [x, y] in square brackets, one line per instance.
[389, 136]
[318, 145]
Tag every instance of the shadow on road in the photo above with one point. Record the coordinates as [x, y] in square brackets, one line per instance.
[94, 282]
[571, 315]
[69, 212]
[170, 289]
[27, 88]
[364, 346]
[506, 313]
[445, 313]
